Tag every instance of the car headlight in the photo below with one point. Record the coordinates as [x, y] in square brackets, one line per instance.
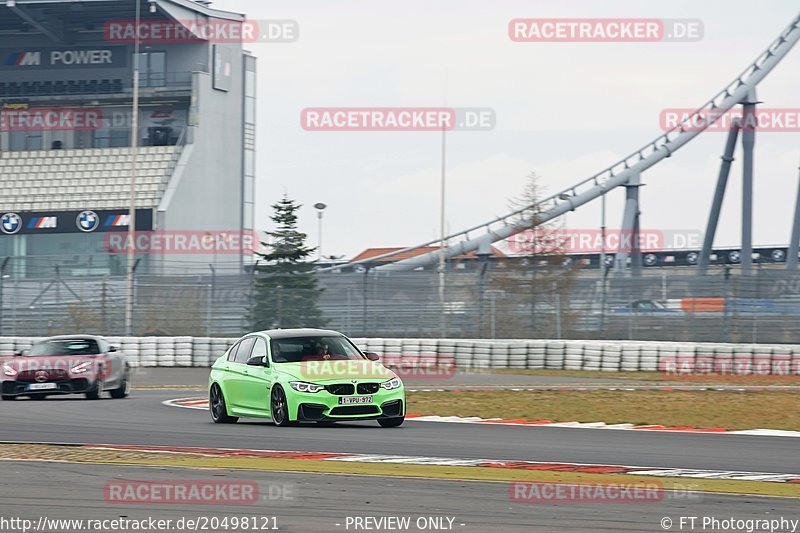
[393, 383]
[302, 386]
[9, 371]
[81, 367]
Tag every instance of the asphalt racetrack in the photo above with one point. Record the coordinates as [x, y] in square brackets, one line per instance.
[323, 502]
[142, 419]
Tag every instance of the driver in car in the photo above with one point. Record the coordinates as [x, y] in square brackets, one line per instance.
[322, 351]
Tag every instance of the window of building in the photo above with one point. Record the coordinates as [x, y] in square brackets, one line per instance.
[153, 69]
[25, 140]
[110, 138]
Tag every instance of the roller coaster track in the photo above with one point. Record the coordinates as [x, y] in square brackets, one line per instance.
[609, 178]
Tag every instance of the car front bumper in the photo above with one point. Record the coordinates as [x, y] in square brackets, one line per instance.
[64, 386]
[323, 406]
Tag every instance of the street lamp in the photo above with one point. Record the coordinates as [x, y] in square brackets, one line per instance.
[320, 207]
[333, 258]
[132, 191]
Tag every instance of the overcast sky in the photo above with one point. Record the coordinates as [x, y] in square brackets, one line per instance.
[564, 111]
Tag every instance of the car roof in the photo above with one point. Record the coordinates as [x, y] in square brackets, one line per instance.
[72, 338]
[299, 332]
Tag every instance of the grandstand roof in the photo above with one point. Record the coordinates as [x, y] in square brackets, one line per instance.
[58, 17]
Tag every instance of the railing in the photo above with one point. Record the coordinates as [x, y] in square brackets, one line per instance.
[89, 291]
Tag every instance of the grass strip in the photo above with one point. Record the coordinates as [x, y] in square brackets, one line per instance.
[700, 409]
[45, 452]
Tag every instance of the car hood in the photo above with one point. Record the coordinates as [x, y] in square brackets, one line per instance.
[335, 370]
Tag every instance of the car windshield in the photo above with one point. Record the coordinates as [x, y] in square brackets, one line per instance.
[65, 347]
[312, 348]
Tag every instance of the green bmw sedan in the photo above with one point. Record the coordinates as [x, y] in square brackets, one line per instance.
[303, 375]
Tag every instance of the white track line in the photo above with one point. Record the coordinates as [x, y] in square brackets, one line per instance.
[202, 405]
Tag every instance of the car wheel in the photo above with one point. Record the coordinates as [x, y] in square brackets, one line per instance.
[216, 405]
[391, 422]
[94, 392]
[124, 387]
[278, 408]
[8, 398]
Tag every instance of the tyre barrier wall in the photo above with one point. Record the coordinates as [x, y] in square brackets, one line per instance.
[779, 359]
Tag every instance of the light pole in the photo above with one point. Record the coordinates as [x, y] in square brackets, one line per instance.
[134, 155]
[603, 268]
[442, 223]
[320, 207]
[333, 258]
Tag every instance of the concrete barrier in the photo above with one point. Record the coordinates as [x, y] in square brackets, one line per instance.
[610, 356]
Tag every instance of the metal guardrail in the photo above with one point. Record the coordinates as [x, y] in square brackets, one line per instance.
[500, 303]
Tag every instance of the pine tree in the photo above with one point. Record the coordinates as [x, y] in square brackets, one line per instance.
[286, 292]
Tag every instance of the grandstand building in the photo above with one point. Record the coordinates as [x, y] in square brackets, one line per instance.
[66, 98]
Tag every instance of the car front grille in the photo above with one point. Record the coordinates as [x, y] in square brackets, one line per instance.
[355, 410]
[340, 389]
[368, 388]
[29, 376]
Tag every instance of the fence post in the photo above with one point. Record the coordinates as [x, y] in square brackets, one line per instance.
[210, 299]
[558, 311]
[364, 297]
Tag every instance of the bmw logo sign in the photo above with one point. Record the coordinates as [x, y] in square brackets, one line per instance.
[10, 223]
[735, 256]
[778, 256]
[692, 257]
[650, 260]
[87, 221]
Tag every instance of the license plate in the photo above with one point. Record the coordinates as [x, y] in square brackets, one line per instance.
[349, 400]
[42, 386]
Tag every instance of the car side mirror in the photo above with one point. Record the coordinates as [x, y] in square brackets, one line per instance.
[112, 348]
[257, 360]
[372, 356]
